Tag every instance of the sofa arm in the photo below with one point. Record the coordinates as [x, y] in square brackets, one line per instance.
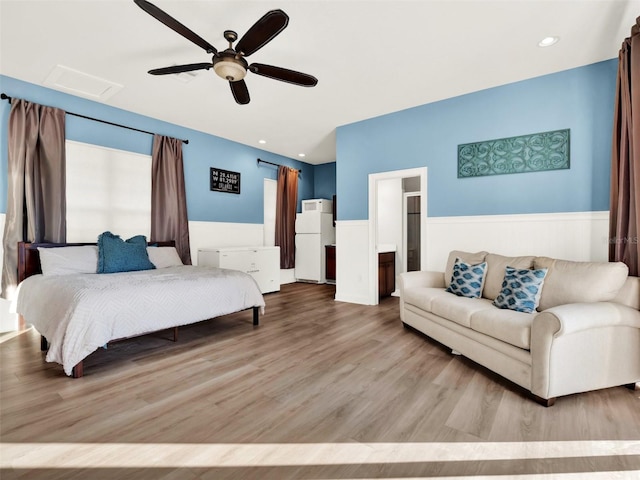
[576, 317]
[421, 279]
[425, 279]
[584, 346]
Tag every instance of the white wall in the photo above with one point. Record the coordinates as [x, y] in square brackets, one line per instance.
[270, 197]
[390, 216]
[352, 261]
[579, 236]
[572, 236]
[8, 321]
[218, 234]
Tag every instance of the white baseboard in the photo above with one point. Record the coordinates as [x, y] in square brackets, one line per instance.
[359, 299]
[287, 276]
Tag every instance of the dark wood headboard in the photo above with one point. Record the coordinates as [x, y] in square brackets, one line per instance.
[29, 257]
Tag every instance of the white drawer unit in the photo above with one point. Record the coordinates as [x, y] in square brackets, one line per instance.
[262, 263]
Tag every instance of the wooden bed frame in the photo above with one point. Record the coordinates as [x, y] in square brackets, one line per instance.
[29, 264]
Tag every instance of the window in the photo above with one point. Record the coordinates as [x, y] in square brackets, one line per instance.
[107, 189]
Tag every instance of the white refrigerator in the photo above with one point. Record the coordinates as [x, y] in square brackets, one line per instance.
[314, 230]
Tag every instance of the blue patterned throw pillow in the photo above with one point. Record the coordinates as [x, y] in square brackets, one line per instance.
[521, 289]
[467, 280]
[117, 255]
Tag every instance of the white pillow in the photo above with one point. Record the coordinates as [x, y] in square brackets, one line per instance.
[69, 260]
[163, 257]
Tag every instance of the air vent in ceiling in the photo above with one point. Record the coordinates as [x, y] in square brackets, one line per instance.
[82, 84]
[185, 77]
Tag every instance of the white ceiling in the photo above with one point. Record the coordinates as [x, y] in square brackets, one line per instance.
[370, 57]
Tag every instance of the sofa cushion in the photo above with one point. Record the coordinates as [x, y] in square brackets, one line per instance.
[521, 289]
[578, 282]
[467, 280]
[422, 297]
[496, 265]
[467, 257]
[459, 309]
[506, 325]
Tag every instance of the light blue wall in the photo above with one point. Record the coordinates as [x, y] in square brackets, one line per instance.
[580, 99]
[325, 180]
[202, 152]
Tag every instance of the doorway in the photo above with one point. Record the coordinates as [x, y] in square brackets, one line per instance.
[384, 225]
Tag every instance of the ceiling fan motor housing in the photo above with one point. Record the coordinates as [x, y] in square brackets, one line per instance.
[230, 65]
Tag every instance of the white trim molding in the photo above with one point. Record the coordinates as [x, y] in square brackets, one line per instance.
[579, 236]
[352, 261]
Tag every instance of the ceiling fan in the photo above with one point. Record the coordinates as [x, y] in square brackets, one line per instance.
[230, 64]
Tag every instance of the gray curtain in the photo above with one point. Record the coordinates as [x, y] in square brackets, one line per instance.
[36, 205]
[625, 158]
[168, 197]
[286, 206]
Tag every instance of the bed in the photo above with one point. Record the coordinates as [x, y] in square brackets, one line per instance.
[78, 313]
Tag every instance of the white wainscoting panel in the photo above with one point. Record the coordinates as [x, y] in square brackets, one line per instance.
[352, 261]
[2, 218]
[219, 234]
[8, 321]
[287, 275]
[581, 236]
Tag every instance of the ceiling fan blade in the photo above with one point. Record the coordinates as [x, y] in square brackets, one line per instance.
[181, 68]
[262, 32]
[240, 92]
[284, 75]
[175, 25]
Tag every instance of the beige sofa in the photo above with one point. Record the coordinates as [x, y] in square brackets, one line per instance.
[585, 334]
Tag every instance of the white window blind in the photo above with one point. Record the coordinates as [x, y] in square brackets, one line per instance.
[107, 189]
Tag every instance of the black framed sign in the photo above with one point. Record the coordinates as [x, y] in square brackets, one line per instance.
[224, 181]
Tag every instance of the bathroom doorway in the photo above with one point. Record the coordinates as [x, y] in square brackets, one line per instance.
[389, 223]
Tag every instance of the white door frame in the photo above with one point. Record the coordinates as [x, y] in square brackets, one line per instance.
[373, 222]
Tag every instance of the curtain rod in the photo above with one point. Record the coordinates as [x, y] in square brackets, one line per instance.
[4, 96]
[277, 165]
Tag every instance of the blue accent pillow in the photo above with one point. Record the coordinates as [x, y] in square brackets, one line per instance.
[467, 280]
[117, 255]
[521, 289]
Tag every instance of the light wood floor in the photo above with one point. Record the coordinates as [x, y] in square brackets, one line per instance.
[320, 390]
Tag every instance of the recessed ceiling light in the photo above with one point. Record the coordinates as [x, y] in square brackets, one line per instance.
[548, 41]
[262, 141]
[301, 154]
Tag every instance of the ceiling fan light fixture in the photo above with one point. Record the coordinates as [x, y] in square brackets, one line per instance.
[230, 64]
[229, 70]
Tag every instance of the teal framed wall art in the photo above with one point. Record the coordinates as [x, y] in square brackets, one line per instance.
[535, 152]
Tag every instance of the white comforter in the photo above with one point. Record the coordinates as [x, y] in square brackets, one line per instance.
[80, 313]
